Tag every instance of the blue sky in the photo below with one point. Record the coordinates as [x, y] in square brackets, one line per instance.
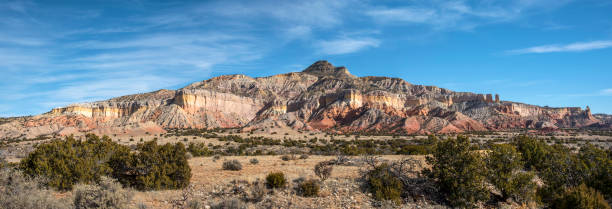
[544, 52]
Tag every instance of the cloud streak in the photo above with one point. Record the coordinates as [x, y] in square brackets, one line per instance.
[573, 47]
[55, 54]
[346, 45]
[606, 92]
[459, 15]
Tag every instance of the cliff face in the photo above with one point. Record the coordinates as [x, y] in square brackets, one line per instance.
[321, 97]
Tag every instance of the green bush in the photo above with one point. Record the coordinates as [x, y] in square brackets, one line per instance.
[233, 165]
[309, 188]
[522, 187]
[533, 151]
[154, 167]
[254, 161]
[596, 165]
[560, 168]
[581, 197]
[458, 172]
[559, 171]
[276, 180]
[383, 184]
[198, 149]
[67, 162]
[504, 165]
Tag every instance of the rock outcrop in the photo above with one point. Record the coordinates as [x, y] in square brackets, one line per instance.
[321, 97]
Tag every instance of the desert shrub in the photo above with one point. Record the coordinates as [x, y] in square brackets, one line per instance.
[230, 204]
[408, 171]
[309, 188]
[504, 165]
[383, 184]
[198, 149]
[323, 170]
[559, 171]
[254, 161]
[19, 191]
[458, 172]
[3, 162]
[581, 197]
[258, 191]
[153, 167]
[70, 161]
[524, 188]
[596, 165]
[304, 156]
[286, 158]
[195, 204]
[276, 180]
[106, 194]
[233, 165]
[414, 149]
[533, 151]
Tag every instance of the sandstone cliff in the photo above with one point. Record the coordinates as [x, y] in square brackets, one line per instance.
[321, 97]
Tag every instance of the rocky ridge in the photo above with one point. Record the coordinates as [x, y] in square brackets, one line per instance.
[321, 97]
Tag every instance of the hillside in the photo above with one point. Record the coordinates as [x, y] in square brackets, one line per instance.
[321, 97]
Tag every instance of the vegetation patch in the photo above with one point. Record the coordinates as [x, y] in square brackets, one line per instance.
[458, 172]
[276, 180]
[65, 163]
[233, 165]
[383, 184]
[309, 188]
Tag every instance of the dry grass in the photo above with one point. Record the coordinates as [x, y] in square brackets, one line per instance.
[209, 176]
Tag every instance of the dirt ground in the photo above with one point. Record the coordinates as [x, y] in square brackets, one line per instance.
[211, 184]
[341, 190]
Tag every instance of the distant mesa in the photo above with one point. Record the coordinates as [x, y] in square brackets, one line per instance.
[321, 97]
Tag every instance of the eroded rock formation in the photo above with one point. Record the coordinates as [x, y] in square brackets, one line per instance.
[321, 97]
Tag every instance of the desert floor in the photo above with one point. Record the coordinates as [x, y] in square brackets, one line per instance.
[210, 183]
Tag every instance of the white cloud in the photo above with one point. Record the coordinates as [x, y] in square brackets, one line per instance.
[607, 92]
[574, 47]
[414, 15]
[46, 62]
[298, 32]
[462, 15]
[346, 45]
[319, 13]
[21, 40]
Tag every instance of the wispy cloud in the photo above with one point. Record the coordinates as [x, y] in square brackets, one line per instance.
[346, 45]
[414, 15]
[462, 15]
[573, 47]
[319, 13]
[606, 92]
[603, 92]
[64, 53]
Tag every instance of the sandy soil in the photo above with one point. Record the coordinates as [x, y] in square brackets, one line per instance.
[208, 178]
